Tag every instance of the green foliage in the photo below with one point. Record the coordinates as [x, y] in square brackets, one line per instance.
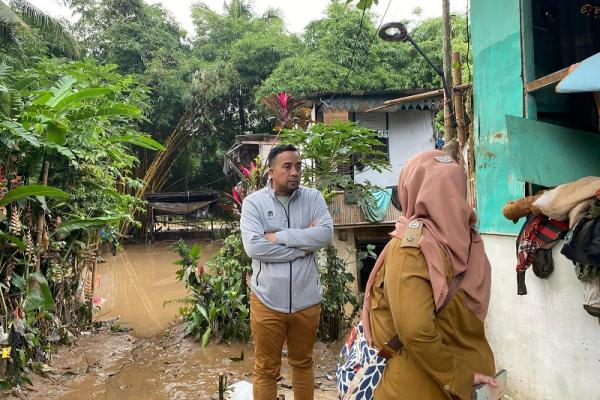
[218, 304]
[332, 147]
[31, 191]
[335, 59]
[337, 295]
[361, 256]
[363, 4]
[245, 48]
[145, 41]
[22, 15]
[80, 119]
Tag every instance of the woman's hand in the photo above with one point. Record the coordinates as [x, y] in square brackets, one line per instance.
[481, 378]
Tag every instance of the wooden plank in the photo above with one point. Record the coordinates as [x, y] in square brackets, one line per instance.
[332, 116]
[547, 80]
[561, 154]
[416, 97]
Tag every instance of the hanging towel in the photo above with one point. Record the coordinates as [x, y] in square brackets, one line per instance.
[395, 199]
[375, 210]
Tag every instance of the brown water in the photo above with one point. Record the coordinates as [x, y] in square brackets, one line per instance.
[138, 281]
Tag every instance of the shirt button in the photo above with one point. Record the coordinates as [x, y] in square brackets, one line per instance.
[447, 388]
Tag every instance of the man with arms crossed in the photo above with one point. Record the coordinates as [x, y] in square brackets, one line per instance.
[282, 226]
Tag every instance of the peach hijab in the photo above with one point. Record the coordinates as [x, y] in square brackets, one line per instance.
[433, 189]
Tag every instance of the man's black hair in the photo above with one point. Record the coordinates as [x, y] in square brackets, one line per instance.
[275, 151]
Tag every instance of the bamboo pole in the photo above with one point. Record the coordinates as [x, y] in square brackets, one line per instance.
[458, 100]
[449, 131]
[41, 217]
[416, 97]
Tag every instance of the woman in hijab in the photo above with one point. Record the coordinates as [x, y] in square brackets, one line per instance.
[435, 250]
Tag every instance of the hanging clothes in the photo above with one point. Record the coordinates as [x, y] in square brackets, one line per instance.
[580, 247]
[537, 232]
[583, 248]
[591, 297]
[395, 199]
[375, 211]
[563, 203]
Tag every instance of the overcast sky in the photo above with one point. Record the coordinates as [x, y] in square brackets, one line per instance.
[296, 13]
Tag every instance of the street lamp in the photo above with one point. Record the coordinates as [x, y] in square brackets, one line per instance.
[397, 32]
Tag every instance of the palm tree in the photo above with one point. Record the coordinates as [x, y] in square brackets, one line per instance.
[23, 13]
[238, 9]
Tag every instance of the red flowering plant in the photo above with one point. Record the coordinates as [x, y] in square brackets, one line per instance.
[251, 179]
[288, 112]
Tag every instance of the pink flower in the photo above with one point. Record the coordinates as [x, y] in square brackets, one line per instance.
[283, 99]
[236, 195]
[252, 166]
[200, 269]
[245, 171]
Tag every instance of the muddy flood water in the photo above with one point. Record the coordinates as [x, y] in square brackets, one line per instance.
[136, 283]
[154, 361]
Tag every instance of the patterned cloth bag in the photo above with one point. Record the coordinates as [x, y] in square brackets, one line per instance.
[359, 367]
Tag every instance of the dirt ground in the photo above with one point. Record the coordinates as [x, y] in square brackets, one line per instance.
[153, 361]
[108, 365]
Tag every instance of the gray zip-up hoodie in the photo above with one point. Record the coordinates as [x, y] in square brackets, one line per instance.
[285, 276]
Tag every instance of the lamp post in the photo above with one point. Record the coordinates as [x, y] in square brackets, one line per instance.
[397, 32]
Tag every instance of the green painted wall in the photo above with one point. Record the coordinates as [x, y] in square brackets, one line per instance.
[498, 91]
[561, 154]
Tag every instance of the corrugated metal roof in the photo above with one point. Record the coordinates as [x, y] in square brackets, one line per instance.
[391, 93]
[363, 101]
[360, 104]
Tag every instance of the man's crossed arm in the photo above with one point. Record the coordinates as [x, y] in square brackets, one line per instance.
[289, 244]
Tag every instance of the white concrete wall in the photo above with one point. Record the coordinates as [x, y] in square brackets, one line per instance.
[347, 251]
[545, 340]
[410, 132]
[265, 148]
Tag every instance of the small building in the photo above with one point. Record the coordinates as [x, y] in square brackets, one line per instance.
[180, 215]
[405, 130]
[247, 147]
[528, 136]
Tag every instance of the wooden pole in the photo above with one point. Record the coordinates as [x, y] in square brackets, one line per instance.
[222, 386]
[94, 253]
[458, 100]
[41, 217]
[447, 43]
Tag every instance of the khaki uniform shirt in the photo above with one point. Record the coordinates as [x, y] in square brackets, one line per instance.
[441, 353]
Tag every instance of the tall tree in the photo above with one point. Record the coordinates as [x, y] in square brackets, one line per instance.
[337, 56]
[19, 15]
[144, 40]
[245, 48]
[253, 44]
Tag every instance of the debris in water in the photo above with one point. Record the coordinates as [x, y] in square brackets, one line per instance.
[240, 358]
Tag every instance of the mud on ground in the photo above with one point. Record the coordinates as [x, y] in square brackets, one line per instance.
[106, 365]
